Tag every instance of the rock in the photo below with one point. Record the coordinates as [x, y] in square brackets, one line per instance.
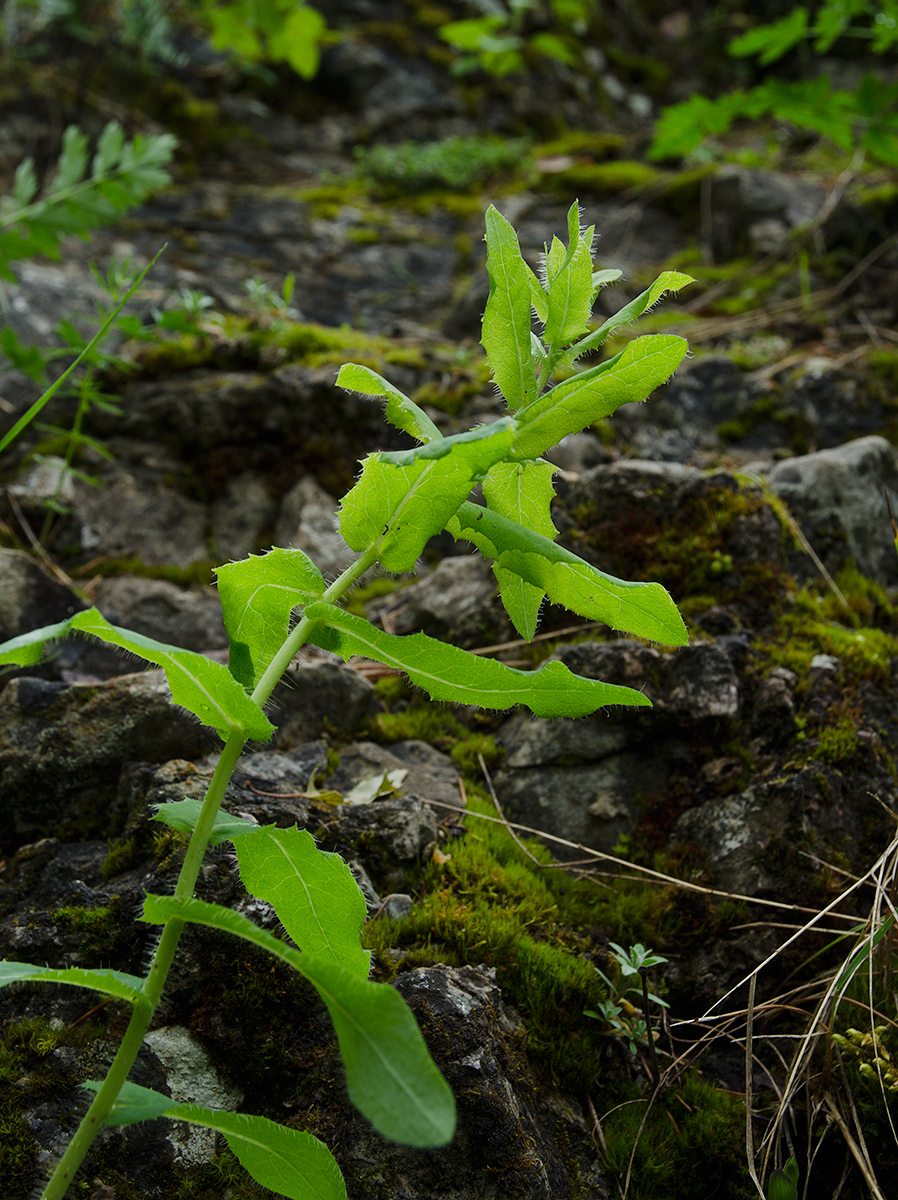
[757, 210]
[309, 521]
[241, 516]
[191, 1079]
[316, 693]
[62, 747]
[837, 498]
[429, 774]
[190, 619]
[453, 603]
[508, 1128]
[126, 518]
[30, 597]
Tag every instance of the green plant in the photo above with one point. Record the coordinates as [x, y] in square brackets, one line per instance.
[864, 118]
[498, 41]
[78, 198]
[623, 1017]
[457, 163]
[258, 31]
[401, 499]
[783, 1185]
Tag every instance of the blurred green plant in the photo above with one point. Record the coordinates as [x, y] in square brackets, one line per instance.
[498, 41]
[865, 118]
[456, 162]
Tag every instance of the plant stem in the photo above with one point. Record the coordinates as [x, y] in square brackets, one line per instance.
[103, 1101]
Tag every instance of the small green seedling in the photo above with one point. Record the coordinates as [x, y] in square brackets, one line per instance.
[783, 1185]
[400, 501]
[623, 1017]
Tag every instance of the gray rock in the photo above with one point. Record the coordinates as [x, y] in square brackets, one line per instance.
[62, 748]
[316, 693]
[30, 597]
[754, 209]
[125, 517]
[453, 603]
[430, 774]
[240, 517]
[534, 742]
[192, 1079]
[158, 609]
[837, 498]
[308, 521]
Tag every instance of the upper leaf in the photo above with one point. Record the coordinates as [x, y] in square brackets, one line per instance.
[569, 284]
[448, 673]
[400, 507]
[506, 319]
[401, 411]
[313, 892]
[644, 609]
[595, 393]
[667, 281]
[257, 596]
[522, 492]
[390, 1075]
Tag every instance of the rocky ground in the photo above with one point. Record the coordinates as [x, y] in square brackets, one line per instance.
[758, 787]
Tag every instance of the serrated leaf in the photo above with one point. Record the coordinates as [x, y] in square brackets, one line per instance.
[523, 493]
[184, 814]
[447, 673]
[390, 1075]
[288, 1161]
[644, 609]
[569, 284]
[400, 410]
[313, 892]
[506, 320]
[400, 507]
[667, 281]
[770, 42]
[110, 144]
[25, 185]
[571, 406]
[257, 596]
[602, 279]
[111, 983]
[72, 161]
[202, 686]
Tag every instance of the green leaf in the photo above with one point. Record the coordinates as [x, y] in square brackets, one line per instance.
[72, 161]
[400, 411]
[667, 281]
[184, 814]
[569, 407]
[288, 1161]
[399, 508]
[390, 1075]
[569, 284]
[783, 1185]
[297, 42]
[770, 42]
[523, 493]
[202, 686]
[314, 894]
[447, 673]
[506, 320]
[644, 609]
[442, 446]
[257, 596]
[111, 983]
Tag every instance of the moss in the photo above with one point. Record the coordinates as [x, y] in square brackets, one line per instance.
[589, 143]
[884, 364]
[198, 574]
[456, 164]
[602, 179]
[690, 1143]
[122, 854]
[99, 927]
[222, 1177]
